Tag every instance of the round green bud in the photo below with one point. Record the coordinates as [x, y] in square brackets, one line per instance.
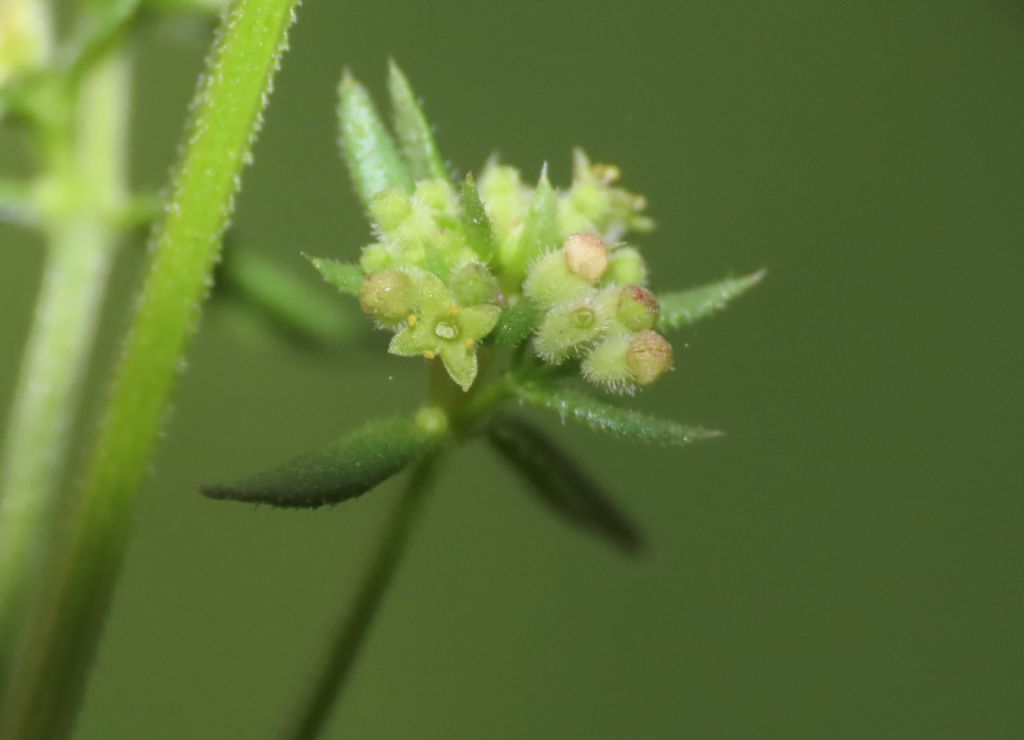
[626, 267]
[586, 255]
[437, 195]
[390, 208]
[606, 364]
[376, 257]
[432, 420]
[637, 308]
[387, 295]
[474, 284]
[567, 329]
[648, 357]
[549, 281]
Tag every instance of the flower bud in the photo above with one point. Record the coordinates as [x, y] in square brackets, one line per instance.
[566, 329]
[438, 195]
[586, 255]
[432, 420]
[626, 267]
[376, 257]
[548, 280]
[387, 295]
[606, 364]
[649, 355]
[474, 284]
[637, 308]
[390, 209]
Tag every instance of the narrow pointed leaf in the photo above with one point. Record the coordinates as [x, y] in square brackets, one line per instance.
[475, 223]
[370, 153]
[342, 469]
[515, 324]
[345, 276]
[684, 307]
[606, 417]
[540, 229]
[561, 483]
[414, 131]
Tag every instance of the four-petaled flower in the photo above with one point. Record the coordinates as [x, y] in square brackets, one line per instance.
[439, 327]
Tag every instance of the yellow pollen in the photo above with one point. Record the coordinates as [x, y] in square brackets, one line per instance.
[455, 310]
[412, 319]
[430, 354]
[470, 344]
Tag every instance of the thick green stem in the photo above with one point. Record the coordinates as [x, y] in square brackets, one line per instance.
[315, 709]
[87, 164]
[51, 672]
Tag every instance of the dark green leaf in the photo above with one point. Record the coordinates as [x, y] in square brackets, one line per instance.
[344, 276]
[414, 131]
[540, 229]
[606, 417]
[475, 223]
[369, 151]
[343, 469]
[515, 324]
[685, 307]
[561, 483]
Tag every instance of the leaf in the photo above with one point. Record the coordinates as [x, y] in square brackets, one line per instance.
[561, 483]
[369, 151]
[341, 470]
[606, 417]
[475, 223]
[685, 307]
[414, 131]
[540, 228]
[515, 324]
[296, 309]
[345, 276]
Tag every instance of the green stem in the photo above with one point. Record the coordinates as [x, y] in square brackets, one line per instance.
[50, 675]
[87, 159]
[315, 708]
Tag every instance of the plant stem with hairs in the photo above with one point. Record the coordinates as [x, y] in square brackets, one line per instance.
[51, 665]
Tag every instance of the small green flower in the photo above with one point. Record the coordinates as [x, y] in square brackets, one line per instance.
[442, 328]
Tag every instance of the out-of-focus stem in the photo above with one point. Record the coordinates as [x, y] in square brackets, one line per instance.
[86, 165]
[315, 709]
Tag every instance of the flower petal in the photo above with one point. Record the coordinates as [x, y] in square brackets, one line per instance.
[477, 321]
[413, 341]
[460, 362]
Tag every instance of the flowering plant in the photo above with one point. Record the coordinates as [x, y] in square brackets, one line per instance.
[513, 293]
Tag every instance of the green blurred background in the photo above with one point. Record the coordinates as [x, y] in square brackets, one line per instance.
[845, 564]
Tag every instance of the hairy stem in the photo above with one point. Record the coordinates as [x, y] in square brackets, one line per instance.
[87, 159]
[315, 709]
[79, 583]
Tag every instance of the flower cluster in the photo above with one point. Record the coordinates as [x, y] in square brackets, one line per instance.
[446, 264]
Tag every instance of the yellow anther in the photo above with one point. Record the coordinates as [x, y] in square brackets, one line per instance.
[412, 319]
[455, 310]
[470, 344]
[430, 354]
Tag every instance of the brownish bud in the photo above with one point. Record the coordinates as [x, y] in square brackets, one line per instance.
[586, 255]
[648, 357]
